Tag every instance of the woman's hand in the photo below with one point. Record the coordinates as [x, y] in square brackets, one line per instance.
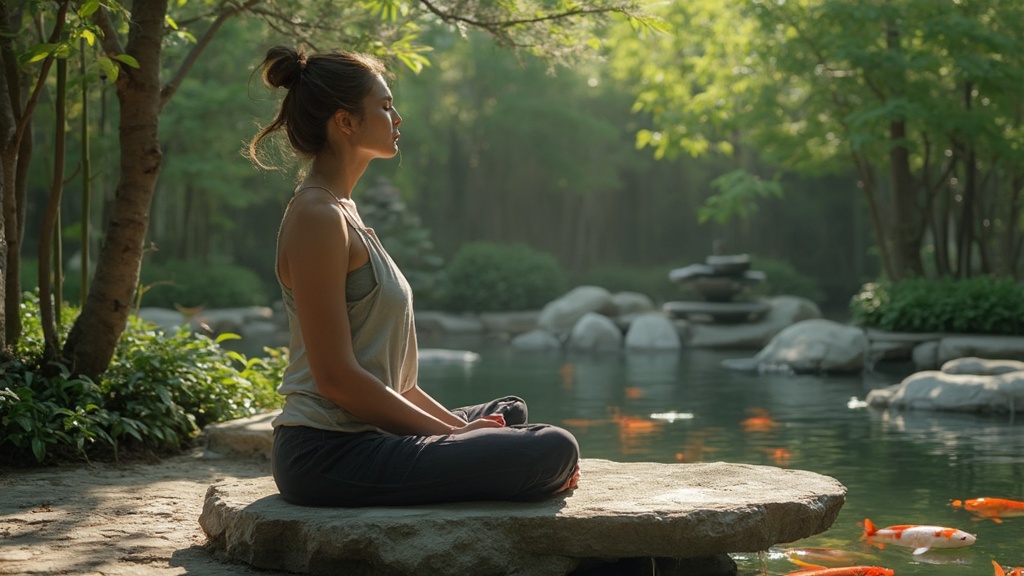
[479, 424]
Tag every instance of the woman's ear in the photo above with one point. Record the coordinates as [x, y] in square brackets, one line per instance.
[345, 121]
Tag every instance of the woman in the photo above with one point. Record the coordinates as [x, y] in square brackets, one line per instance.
[356, 429]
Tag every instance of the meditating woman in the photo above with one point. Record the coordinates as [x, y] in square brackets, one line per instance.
[356, 429]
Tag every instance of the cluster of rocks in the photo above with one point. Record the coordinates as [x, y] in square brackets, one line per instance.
[963, 385]
[586, 319]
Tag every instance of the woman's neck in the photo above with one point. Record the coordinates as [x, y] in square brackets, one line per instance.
[335, 174]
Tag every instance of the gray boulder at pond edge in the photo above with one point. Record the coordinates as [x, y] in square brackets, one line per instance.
[785, 311]
[810, 346]
[560, 315]
[595, 333]
[620, 510]
[963, 385]
[652, 331]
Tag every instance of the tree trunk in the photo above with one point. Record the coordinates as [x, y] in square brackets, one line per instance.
[51, 220]
[91, 342]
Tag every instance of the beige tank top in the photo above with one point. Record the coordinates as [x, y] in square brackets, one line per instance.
[383, 339]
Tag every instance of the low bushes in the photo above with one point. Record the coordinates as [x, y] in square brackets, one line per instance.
[488, 277]
[157, 394]
[980, 305]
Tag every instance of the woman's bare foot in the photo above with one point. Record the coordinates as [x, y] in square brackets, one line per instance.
[571, 483]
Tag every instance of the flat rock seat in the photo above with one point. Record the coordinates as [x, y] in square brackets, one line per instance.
[687, 516]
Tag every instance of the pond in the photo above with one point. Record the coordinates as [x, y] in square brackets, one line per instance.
[898, 467]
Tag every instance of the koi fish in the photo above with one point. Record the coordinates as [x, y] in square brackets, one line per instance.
[919, 537]
[759, 421]
[832, 557]
[815, 570]
[994, 509]
[1013, 571]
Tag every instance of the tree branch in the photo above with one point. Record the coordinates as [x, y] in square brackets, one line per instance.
[493, 25]
[44, 71]
[171, 87]
[110, 42]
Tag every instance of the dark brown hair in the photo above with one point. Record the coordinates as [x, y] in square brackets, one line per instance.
[318, 86]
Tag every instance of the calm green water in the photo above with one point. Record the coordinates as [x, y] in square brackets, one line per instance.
[899, 468]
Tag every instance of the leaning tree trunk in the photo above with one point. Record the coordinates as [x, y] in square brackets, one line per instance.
[91, 342]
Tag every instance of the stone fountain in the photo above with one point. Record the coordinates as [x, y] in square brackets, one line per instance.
[718, 281]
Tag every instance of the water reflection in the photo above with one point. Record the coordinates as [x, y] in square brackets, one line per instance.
[898, 467]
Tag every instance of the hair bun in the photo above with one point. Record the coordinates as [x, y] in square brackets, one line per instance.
[283, 67]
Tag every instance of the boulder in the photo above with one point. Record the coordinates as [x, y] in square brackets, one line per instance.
[595, 333]
[652, 331]
[166, 319]
[560, 315]
[536, 341]
[972, 365]
[631, 303]
[251, 436]
[967, 384]
[935, 390]
[811, 346]
[1002, 347]
[620, 510]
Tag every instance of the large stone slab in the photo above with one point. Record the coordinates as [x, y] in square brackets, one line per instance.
[620, 510]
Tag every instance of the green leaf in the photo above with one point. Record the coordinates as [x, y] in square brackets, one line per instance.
[87, 9]
[38, 449]
[126, 59]
[38, 52]
[108, 68]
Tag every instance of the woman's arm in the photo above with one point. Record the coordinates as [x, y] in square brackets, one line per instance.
[426, 402]
[315, 259]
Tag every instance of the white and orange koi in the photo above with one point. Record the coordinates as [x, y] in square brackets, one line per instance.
[917, 536]
[994, 509]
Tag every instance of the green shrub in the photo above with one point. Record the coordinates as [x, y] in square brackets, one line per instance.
[486, 277]
[980, 305]
[159, 391]
[191, 284]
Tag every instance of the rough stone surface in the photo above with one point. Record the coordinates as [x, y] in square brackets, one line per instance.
[652, 331]
[620, 510]
[811, 346]
[934, 390]
[560, 315]
[595, 333]
[246, 436]
[972, 365]
[631, 303]
[536, 341]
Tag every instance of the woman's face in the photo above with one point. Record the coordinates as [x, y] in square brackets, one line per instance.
[378, 127]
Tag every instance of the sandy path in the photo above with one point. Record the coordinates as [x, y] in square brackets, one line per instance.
[134, 519]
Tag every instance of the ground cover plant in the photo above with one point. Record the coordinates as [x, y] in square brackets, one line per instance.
[158, 393]
[979, 305]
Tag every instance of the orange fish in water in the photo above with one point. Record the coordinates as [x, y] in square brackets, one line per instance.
[1012, 572]
[917, 536]
[780, 456]
[815, 570]
[759, 421]
[633, 393]
[994, 509]
[831, 557]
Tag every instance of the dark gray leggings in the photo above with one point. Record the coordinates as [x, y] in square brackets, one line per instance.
[518, 462]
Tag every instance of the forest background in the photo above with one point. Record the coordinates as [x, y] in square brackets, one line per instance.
[840, 139]
[496, 145]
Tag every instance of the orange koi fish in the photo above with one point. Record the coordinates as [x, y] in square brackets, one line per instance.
[994, 509]
[832, 557]
[917, 536]
[1012, 572]
[759, 421]
[815, 570]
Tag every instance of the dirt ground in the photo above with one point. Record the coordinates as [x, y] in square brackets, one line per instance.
[116, 520]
